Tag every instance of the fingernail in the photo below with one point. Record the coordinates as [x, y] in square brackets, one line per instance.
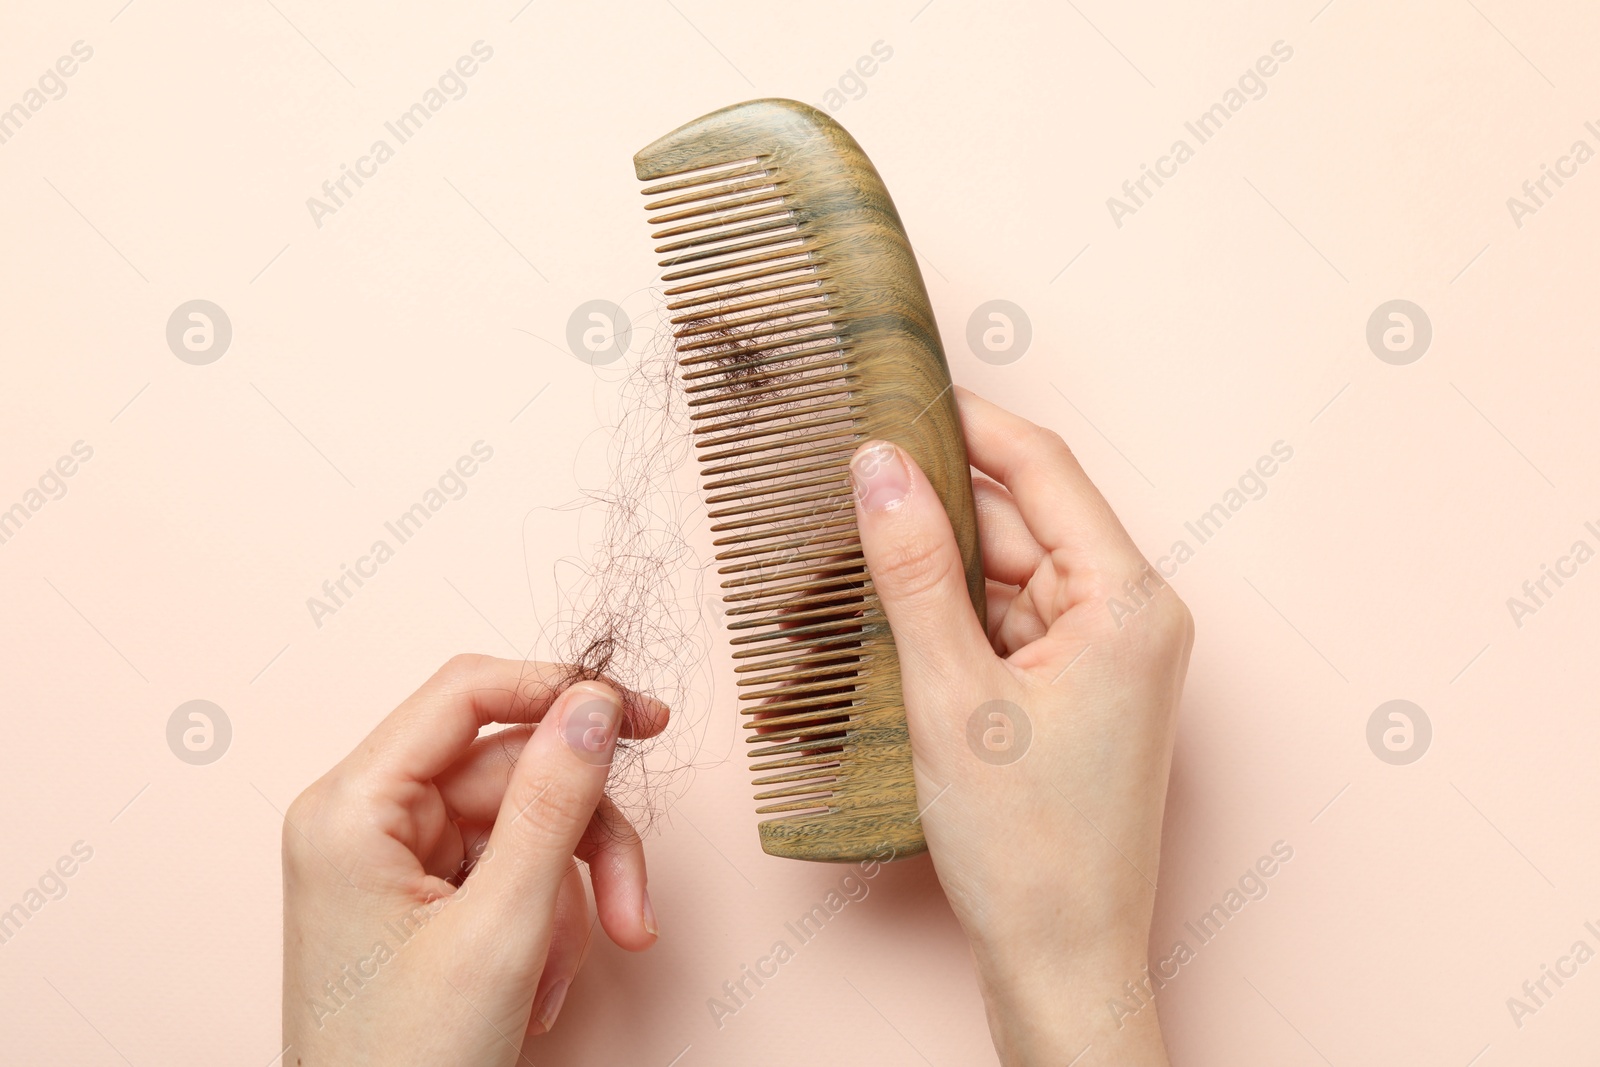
[590, 725]
[552, 1004]
[650, 926]
[880, 477]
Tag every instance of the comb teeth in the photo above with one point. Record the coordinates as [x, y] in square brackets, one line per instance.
[802, 327]
[767, 367]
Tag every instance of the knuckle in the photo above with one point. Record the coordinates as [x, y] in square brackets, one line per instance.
[302, 807]
[546, 804]
[458, 670]
[463, 672]
[913, 569]
[301, 820]
[1161, 629]
[327, 819]
[1142, 608]
[1050, 442]
[1171, 624]
[612, 836]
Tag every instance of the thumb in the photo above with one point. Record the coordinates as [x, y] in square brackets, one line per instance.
[916, 567]
[554, 789]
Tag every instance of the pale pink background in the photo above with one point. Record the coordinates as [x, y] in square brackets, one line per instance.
[1227, 314]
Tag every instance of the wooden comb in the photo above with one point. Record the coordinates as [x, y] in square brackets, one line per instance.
[802, 328]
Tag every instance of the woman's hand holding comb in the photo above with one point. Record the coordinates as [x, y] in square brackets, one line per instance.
[1041, 747]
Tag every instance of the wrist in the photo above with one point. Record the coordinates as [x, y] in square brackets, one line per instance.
[1085, 1005]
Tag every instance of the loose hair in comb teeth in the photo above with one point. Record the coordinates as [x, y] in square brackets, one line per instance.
[803, 328]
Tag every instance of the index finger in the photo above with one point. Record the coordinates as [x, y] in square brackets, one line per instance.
[1059, 504]
[436, 725]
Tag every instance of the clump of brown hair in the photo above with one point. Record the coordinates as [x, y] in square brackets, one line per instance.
[630, 606]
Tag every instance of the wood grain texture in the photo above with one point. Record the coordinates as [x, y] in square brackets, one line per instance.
[802, 328]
